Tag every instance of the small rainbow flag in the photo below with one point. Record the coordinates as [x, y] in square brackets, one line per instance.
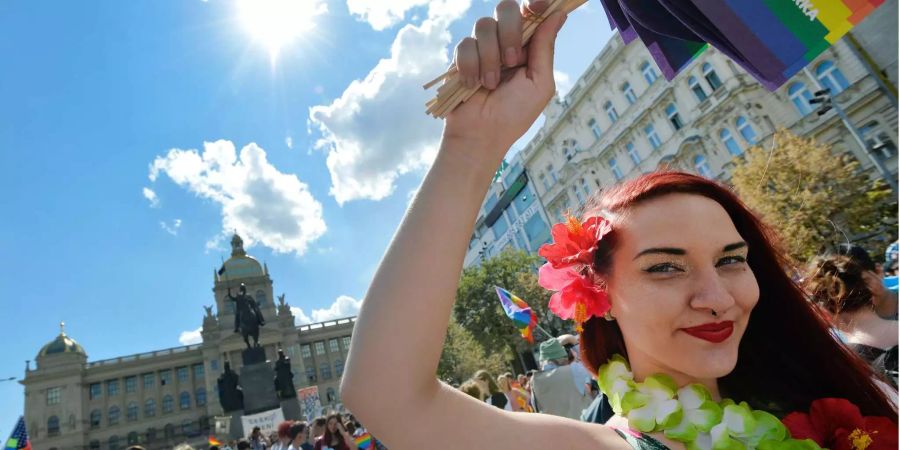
[519, 311]
[214, 441]
[770, 39]
[364, 441]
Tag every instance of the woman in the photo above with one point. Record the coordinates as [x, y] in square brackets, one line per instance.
[298, 435]
[335, 437]
[685, 264]
[281, 439]
[491, 393]
[471, 389]
[515, 396]
[843, 287]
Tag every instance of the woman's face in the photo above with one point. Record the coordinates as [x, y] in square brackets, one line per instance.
[332, 425]
[678, 259]
[301, 438]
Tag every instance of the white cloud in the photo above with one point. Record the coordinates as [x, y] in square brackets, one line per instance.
[343, 306]
[264, 205]
[563, 82]
[173, 228]
[378, 130]
[289, 141]
[151, 196]
[191, 337]
[381, 14]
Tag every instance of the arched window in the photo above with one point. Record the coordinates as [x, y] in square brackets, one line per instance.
[311, 373]
[260, 297]
[184, 400]
[150, 408]
[112, 417]
[339, 367]
[674, 117]
[330, 395]
[595, 128]
[132, 438]
[131, 413]
[729, 142]
[94, 445]
[711, 77]
[585, 187]
[746, 130]
[633, 153]
[611, 112]
[53, 426]
[800, 97]
[578, 195]
[696, 89]
[878, 140]
[325, 371]
[113, 443]
[629, 93]
[187, 427]
[614, 168]
[169, 430]
[702, 166]
[648, 72]
[167, 404]
[95, 418]
[200, 397]
[831, 77]
[151, 434]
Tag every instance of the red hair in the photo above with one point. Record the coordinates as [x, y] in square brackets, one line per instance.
[788, 356]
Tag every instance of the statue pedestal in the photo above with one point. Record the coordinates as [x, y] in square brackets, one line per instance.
[258, 382]
[236, 430]
[291, 409]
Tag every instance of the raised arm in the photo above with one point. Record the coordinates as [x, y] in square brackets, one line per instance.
[390, 381]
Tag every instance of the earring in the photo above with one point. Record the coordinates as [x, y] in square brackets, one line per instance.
[609, 317]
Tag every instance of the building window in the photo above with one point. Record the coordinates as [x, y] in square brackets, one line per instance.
[325, 371]
[112, 387]
[184, 400]
[648, 72]
[595, 128]
[614, 167]
[168, 404]
[260, 298]
[697, 89]
[800, 97]
[165, 377]
[729, 142]
[831, 77]
[187, 427]
[878, 140]
[311, 373]
[182, 374]
[578, 195]
[150, 408]
[112, 417]
[711, 77]
[702, 166]
[96, 416]
[746, 130]
[333, 346]
[568, 152]
[214, 365]
[674, 117]
[94, 445]
[553, 178]
[53, 426]
[149, 380]
[198, 371]
[330, 395]
[95, 390]
[320, 348]
[200, 397]
[53, 395]
[169, 430]
[346, 342]
[305, 351]
[130, 384]
[132, 438]
[629, 93]
[113, 443]
[585, 187]
[611, 112]
[131, 413]
[652, 137]
[338, 368]
[633, 153]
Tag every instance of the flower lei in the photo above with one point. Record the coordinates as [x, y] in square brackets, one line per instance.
[690, 415]
[568, 269]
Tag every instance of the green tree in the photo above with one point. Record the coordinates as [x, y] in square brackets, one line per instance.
[813, 197]
[478, 309]
[463, 356]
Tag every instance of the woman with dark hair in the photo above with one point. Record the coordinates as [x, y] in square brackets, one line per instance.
[491, 393]
[678, 292]
[840, 285]
[298, 435]
[335, 437]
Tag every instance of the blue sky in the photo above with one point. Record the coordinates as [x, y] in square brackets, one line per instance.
[134, 135]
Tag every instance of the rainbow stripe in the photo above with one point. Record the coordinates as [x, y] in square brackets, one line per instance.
[363, 441]
[519, 311]
[771, 39]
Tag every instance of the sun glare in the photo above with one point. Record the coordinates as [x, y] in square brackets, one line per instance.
[277, 23]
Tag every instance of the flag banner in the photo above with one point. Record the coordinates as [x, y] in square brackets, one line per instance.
[18, 439]
[771, 39]
[364, 441]
[267, 421]
[309, 401]
[519, 311]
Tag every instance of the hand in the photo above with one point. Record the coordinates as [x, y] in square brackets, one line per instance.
[495, 117]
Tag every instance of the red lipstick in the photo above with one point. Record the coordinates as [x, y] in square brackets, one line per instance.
[713, 332]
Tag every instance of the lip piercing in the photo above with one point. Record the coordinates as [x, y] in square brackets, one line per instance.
[714, 313]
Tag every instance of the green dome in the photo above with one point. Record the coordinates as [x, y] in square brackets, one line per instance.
[240, 265]
[62, 344]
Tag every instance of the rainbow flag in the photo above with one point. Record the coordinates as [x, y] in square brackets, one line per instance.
[770, 39]
[214, 441]
[519, 311]
[18, 439]
[364, 441]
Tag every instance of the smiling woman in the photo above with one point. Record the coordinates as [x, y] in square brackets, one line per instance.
[276, 23]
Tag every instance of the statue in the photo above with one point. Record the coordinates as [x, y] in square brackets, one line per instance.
[231, 396]
[284, 378]
[208, 309]
[247, 317]
[281, 303]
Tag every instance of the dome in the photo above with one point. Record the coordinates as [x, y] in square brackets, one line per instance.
[240, 265]
[62, 344]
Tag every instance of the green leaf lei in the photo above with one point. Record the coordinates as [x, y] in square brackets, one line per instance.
[690, 415]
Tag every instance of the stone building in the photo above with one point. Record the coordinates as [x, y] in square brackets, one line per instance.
[166, 397]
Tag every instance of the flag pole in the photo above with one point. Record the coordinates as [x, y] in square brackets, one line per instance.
[544, 331]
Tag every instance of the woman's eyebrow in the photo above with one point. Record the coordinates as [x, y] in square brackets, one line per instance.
[682, 252]
[734, 246]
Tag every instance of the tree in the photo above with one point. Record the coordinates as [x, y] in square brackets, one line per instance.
[463, 356]
[478, 309]
[813, 197]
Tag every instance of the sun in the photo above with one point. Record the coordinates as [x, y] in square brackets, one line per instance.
[277, 23]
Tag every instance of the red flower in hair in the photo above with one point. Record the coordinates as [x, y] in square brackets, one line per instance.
[574, 242]
[837, 424]
[576, 296]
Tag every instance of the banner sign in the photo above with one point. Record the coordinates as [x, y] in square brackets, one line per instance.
[266, 421]
[309, 401]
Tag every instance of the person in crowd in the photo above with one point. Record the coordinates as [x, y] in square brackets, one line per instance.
[884, 300]
[281, 440]
[515, 400]
[554, 389]
[844, 288]
[243, 444]
[890, 266]
[317, 429]
[298, 436]
[522, 379]
[490, 391]
[663, 270]
[471, 388]
[335, 436]
[257, 440]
